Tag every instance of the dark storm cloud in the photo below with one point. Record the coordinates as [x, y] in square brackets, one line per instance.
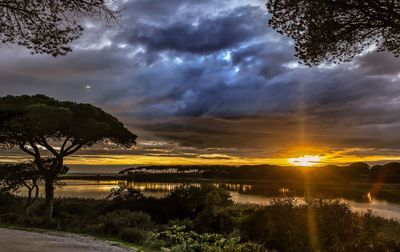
[205, 35]
[201, 77]
[334, 107]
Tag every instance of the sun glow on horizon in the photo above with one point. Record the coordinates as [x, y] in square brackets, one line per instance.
[306, 160]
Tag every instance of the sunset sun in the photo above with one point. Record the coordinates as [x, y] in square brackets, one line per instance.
[306, 160]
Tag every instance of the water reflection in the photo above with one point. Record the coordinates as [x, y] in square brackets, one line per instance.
[243, 193]
[234, 187]
[369, 197]
[153, 186]
[284, 191]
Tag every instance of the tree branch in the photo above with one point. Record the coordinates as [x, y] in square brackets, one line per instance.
[68, 148]
[44, 143]
[35, 148]
[64, 144]
[73, 150]
[22, 147]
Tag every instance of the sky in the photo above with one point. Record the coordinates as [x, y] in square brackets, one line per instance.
[208, 82]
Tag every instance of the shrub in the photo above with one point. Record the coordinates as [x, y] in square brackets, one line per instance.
[10, 218]
[325, 225]
[94, 229]
[124, 194]
[179, 240]
[188, 201]
[10, 203]
[73, 207]
[115, 221]
[133, 235]
[222, 220]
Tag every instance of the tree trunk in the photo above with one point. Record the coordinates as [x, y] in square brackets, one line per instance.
[31, 200]
[27, 210]
[28, 201]
[49, 190]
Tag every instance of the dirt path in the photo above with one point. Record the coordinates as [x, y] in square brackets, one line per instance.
[21, 241]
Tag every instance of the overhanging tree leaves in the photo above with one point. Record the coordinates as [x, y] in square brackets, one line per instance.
[337, 30]
[47, 26]
[37, 123]
[15, 176]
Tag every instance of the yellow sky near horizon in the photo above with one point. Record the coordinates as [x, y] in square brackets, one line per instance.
[289, 156]
[157, 160]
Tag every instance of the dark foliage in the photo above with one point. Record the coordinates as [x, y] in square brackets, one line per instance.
[286, 227]
[33, 122]
[9, 203]
[123, 194]
[115, 222]
[47, 26]
[183, 202]
[36, 120]
[13, 177]
[337, 30]
[216, 224]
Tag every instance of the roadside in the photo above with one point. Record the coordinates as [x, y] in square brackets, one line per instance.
[49, 241]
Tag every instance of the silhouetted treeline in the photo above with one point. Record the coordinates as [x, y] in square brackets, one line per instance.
[386, 173]
[356, 172]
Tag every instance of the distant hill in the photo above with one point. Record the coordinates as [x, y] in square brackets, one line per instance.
[389, 172]
[356, 171]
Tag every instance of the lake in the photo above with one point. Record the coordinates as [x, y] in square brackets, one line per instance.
[360, 197]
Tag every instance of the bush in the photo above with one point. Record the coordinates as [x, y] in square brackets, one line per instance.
[222, 220]
[73, 207]
[125, 194]
[133, 235]
[10, 218]
[180, 240]
[325, 225]
[10, 203]
[188, 201]
[115, 221]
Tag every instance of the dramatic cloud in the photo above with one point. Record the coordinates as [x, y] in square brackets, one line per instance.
[204, 35]
[209, 80]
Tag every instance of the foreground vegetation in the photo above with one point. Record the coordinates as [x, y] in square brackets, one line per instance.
[205, 219]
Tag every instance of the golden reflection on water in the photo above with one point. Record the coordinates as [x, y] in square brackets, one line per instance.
[284, 191]
[369, 197]
[153, 186]
[234, 187]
